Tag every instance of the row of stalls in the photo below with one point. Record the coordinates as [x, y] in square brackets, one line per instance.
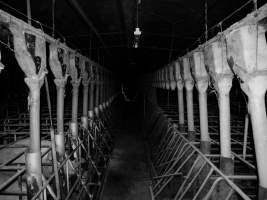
[52, 150]
[202, 148]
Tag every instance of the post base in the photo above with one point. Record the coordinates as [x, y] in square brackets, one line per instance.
[205, 147]
[74, 129]
[227, 165]
[181, 128]
[97, 111]
[262, 193]
[91, 114]
[33, 174]
[60, 146]
[191, 136]
[101, 108]
[84, 120]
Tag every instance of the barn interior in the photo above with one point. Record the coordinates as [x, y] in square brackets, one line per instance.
[133, 99]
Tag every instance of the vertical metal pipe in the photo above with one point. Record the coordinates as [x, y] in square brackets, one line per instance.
[180, 95]
[34, 86]
[106, 92]
[168, 97]
[245, 136]
[101, 95]
[85, 104]
[190, 109]
[59, 137]
[256, 89]
[202, 86]
[33, 156]
[91, 100]
[223, 86]
[75, 96]
[96, 98]
[206, 20]
[29, 12]
[85, 99]
[53, 17]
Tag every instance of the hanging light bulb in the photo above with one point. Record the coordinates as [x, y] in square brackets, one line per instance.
[137, 34]
[137, 31]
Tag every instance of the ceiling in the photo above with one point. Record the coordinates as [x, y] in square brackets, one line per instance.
[169, 27]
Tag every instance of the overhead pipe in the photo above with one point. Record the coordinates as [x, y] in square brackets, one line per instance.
[189, 85]
[201, 77]
[247, 53]
[221, 75]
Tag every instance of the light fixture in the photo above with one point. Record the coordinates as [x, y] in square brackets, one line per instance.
[137, 34]
[137, 31]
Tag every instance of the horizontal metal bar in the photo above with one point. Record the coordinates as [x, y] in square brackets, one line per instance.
[11, 179]
[168, 175]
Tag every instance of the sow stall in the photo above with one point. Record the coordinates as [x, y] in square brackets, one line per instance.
[69, 160]
[210, 154]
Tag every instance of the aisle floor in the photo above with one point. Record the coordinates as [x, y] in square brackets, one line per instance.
[127, 176]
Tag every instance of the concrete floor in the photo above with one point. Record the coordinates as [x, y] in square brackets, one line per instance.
[128, 177]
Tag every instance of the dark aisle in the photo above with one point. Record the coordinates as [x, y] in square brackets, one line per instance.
[127, 176]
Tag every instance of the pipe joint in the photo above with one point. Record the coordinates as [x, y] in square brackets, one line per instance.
[34, 83]
[76, 83]
[224, 85]
[180, 85]
[60, 83]
[189, 84]
[85, 83]
[255, 86]
[202, 86]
